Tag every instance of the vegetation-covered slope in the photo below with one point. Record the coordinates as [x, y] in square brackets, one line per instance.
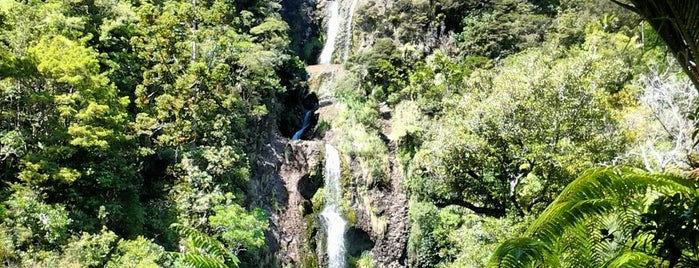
[498, 105]
[127, 129]
[122, 119]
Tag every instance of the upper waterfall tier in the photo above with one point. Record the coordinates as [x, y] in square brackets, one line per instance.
[333, 28]
[339, 30]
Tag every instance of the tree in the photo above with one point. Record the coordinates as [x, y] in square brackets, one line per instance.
[666, 136]
[516, 137]
[506, 27]
[29, 226]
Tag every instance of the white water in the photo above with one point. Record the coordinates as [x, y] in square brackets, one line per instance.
[348, 29]
[326, 55]
[334, 224]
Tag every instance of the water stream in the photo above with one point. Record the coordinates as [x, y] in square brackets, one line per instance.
[335, 225]
[326, 55]
[348, 29]
[304, 125]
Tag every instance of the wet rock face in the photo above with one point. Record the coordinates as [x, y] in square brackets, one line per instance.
[288, 179]
[304, 29]
[283, 172]
[309, 184]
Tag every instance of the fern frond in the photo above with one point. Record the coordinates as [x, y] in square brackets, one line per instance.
[205, 243]
[522, 252]
[199, 261]
[600, 193]
[630, 259]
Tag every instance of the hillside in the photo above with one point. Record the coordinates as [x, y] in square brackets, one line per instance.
[348, 133]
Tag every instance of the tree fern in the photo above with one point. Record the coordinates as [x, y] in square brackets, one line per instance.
[630, 259]
[677, 24]
[616, 192]
[199, 261]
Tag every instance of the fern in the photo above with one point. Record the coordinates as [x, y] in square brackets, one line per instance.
[521, 252]
[675, 22]
[614, 194]
[198, 260]
[206, 251]
[630, 259]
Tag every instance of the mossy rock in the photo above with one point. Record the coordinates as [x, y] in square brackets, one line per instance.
[309, 245]
[318, 201]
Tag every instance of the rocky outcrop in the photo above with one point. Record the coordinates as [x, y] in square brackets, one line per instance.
[304, 30]
[283, 181]
[288, 175]
[381, 212]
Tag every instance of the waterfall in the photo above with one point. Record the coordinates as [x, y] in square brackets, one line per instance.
[348, 29]
[304, 126]
[334, 224]
[326, 54]
[338, 16]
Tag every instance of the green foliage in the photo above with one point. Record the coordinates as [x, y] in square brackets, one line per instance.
[201, 250]
[87, 251]
[140, 252]
[360, 125]
[131, 116]
[671, 221]
[238, 229]
[318, 201]
[523, 250]
[595, 194]
[513, 138]
[31, 225]
[675, 22]
[365, 261]
[508, 26]
[428, 244]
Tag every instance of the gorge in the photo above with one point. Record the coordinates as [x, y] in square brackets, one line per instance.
[349, 133]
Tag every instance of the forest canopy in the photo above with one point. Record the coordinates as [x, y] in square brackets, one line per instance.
[547, 133]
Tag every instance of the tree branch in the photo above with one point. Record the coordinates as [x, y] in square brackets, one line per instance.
[497, 211]
[626, 6]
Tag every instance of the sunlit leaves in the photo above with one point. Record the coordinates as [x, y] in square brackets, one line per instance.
[67, 62]
[33, 224]
[237, 228]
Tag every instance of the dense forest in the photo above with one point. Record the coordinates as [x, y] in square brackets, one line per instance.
[503, 133]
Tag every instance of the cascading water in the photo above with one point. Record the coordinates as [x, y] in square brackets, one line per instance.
[326, 55]
[304, 126]
[348, 29]
[334, 224]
